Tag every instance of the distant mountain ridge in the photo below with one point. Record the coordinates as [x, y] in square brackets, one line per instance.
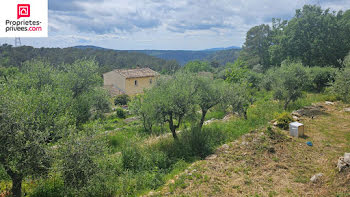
[210, 49]
[220, 55]
[222, 48]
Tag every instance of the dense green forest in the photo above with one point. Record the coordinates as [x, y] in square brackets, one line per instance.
[162, 61]
[220, 55]
[313, 36]
[106, 59]
[60, 136]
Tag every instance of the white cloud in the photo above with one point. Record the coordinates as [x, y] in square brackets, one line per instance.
[163, 24]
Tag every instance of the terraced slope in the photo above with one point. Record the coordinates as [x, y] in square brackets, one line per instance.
[270, 163]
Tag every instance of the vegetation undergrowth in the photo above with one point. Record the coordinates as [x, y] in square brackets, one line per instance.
[138, 168]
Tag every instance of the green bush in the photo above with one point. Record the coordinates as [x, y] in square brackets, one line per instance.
[193, 143]
[321, 77]
[198, 141]
[105, 181]
[116, 140]
[78, 157]
[203, 142]
[52, 187]
[283, 120]
[267, 82]
[291, 79]
[3, 174]
[122, 99]
[132, 184]
[120, 113]
[138, 159]
[277, 136]
[133, 158]
[341, 85]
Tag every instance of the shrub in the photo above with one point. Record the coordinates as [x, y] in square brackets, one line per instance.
[240, 98]
[290, 81]
[283, 120]
[52, 187]
[198, 142]
[341, 85]
[78, 155]
[275, 135]
[193, 143]
[138, 159]
[321, 77]
[120, 113]
[142, 107]
[3, 174]
[131, 183]
[116, 140]
[268, 80]
[122, 99]
[133, 158]
[105, 181]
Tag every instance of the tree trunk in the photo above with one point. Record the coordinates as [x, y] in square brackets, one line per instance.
[172, 127]
[174, 134]
[286, 104]
[16, 185]
[16, 189]
[204, 112]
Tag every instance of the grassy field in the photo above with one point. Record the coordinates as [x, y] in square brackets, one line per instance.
[269, 163]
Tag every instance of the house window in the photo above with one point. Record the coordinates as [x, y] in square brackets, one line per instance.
[150, 81]
[135, 82]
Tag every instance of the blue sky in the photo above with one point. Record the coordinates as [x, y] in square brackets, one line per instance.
[162, 24]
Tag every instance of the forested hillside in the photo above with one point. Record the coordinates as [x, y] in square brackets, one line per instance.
[107, 59]
[220, 55]
[223, 57]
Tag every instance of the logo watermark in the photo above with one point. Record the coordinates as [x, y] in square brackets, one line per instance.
[23, 10]
[24, 18]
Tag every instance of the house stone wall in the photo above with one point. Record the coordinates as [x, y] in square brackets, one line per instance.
[142, 83]
[114, 79]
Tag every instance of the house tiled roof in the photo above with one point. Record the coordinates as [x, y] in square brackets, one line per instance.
[138, 72]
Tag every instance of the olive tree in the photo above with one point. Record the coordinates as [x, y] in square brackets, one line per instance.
[341, 85]
[208, 93]
[290, 80]
[83, 81]
[80, 76]
[321, 77]
[171, 100]
[35, 111]
[141, 105]
[239, 98]
[79, 155]
[27, 120]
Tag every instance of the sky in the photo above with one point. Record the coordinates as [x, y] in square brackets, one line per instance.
[162, 24]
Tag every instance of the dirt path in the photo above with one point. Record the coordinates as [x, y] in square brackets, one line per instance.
[273, 164]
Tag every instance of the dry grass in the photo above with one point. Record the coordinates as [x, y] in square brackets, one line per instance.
[269, 164]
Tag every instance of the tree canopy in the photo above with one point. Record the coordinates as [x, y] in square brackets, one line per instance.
[107, 59]
[314, 36]
[37, 107]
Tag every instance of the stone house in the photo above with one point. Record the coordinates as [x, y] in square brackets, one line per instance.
[129, 81]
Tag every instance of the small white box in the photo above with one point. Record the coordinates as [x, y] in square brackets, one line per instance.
[296, 129]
